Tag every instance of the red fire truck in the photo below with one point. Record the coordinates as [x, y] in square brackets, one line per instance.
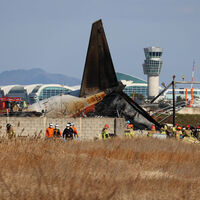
[10, 104]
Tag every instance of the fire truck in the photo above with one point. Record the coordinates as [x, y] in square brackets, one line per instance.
[10, 104]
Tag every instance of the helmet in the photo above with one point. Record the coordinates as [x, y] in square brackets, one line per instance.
[68, 125]
[188, 126]
[153, 127]
[106, 126]
[50, 125]
[178, 128]
[56, 126]
[8, 125]
[130, 126]
[72, 124]
[128, 122]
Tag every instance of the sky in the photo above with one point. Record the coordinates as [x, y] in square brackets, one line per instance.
[53, 34]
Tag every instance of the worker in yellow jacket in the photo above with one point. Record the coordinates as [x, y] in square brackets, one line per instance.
[105, 132]
[128, 132]
[179, 133]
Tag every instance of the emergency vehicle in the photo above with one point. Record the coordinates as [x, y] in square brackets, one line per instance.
[10, 104]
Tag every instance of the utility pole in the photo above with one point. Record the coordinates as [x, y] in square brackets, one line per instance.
[174, 101]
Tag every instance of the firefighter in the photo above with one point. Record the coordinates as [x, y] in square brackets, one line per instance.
[50, 131]
[68, 132]
[75, 133]
[179, 134]
[129, 131]
[57, 132]
[163, 130]
[152, 131]
[184, 132]
[104, 132]
[10, 131]
[188, 131]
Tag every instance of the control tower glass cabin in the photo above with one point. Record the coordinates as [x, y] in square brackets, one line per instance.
[152, 67]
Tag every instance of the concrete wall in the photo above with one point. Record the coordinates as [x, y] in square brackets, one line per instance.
[88, 128]
[189, 111]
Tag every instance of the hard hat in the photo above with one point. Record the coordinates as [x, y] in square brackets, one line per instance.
[8, 125]
[130, 126]
[188, 126]
[56, 125]
[178, 128]
[128, 122]
[153, 127]
[106, 126]
[183, 128]
[68, 125]
[72, 124]
[50, 124]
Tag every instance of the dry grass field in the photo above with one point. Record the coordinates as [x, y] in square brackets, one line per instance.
[140, 168]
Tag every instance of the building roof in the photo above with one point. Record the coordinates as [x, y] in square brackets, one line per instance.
[31, 88]
[130, 80]
[7, 88]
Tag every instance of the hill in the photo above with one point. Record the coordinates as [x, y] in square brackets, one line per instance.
[34, 76]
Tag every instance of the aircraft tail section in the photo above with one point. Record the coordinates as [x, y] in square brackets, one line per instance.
[99, 73]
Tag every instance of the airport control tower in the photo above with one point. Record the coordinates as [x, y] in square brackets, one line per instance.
[152, 67]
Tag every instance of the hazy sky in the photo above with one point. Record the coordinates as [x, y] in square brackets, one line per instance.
[54, 34]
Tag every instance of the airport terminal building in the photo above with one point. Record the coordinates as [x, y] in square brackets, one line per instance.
[36, 92]
[133, 83]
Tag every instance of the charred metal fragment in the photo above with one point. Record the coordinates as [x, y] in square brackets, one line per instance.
[118, 104]
[99, 73]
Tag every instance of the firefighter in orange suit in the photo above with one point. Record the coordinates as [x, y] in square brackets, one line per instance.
[50, 131]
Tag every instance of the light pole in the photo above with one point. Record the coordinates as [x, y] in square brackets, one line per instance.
[174, 101]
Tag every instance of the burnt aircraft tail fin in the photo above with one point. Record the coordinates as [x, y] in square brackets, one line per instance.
[99, 73]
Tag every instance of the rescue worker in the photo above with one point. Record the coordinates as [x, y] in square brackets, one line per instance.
[163, 130]
[129, 131]
[57, 132]
[152, 131]
[179, 133]
[104, 132]
[188, 131]
[50, 131]
[184, 132]
[10, 131]
[75, 133]
[194, 131]
[68, 132]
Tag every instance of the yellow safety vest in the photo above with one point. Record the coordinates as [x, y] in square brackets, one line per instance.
[129, 133]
